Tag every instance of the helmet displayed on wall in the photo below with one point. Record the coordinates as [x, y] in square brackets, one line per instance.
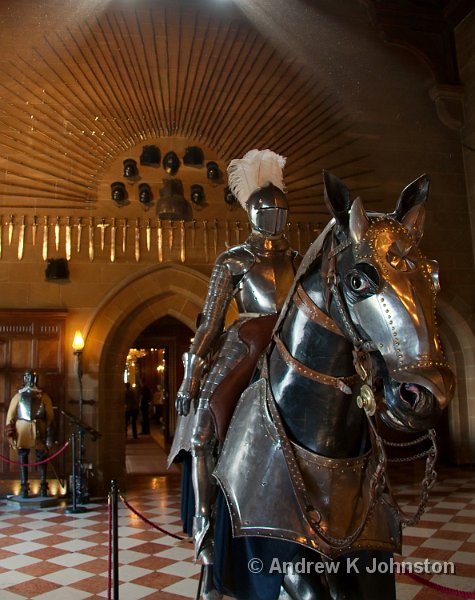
[130, 168]
[193, 157]
[119, 193]
[150, 156]
[172, 204]
[145, 194]
[229, 197]
[171, 163]
[197, 194]
[212, 171]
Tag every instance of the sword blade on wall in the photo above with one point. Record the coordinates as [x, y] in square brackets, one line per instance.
[159, 240]
[148, 234]
[171, 236]
[56, 234]
[193, 233]
[21, 238]
[1, 232]
[103, 226]
[237, 230]
[137, 240]
[299, 238]
[182, 242]
[226, 235]
[113, 235]
[34, 229]
[205, 240]
[68, 242]
[124, 235]
[79, 226]
[215, 237]
[11, 225]
[45, 238]
[91, 238]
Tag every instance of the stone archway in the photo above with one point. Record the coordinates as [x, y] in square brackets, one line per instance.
[459, 345]
[140, 300]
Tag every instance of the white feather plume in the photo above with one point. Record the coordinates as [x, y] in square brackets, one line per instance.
[252, 171]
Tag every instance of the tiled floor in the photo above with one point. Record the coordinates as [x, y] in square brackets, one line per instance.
[48, 555]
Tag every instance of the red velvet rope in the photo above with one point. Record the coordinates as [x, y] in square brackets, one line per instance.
[421, 580]
[173, 535]
[35, 464]
[440, 588]
[109, 551]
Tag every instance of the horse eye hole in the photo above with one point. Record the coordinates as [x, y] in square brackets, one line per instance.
[363, 280]
[357, 282]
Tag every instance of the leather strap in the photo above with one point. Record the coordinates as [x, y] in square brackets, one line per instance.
[340, 383]
[304, 303]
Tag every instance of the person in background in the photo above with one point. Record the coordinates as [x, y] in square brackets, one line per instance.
[131, 410]
[145, 400]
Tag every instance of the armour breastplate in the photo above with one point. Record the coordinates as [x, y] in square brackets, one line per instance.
[264, 287]
[31, 406]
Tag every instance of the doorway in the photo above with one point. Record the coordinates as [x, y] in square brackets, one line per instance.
[154, 370]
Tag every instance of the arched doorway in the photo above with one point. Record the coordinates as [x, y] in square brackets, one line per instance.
[154, 364]
[151, 294]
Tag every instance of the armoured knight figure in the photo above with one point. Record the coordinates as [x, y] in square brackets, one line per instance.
[30, 426]
[219, 364]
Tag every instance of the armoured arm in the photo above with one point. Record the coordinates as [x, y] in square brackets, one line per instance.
[220, 292]
[10, 428]
[50, 429]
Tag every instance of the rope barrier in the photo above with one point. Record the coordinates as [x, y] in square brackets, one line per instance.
[440, 588]
[109, 549]
[145, 520]
[415, 577]
[35, 464]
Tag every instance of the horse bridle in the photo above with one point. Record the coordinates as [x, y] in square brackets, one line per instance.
[361, 349]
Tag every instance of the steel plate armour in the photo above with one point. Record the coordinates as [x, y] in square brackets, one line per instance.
[252, 459]
[31, 406]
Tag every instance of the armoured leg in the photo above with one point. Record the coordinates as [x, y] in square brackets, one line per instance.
[41, 455]
[23, 454]
[204, 486]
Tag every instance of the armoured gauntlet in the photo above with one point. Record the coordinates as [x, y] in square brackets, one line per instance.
[194, 366]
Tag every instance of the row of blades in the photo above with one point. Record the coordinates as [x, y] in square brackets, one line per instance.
[115, 234]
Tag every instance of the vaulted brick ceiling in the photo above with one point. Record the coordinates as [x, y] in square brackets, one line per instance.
[89, 85]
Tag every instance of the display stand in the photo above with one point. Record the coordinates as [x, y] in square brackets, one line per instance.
[79, 430]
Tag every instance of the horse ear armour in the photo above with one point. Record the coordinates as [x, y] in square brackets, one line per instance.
[414, 221]
[359, 222]
[412, 195]
[337, 199]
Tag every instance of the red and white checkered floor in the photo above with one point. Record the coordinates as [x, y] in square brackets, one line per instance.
[48, 555]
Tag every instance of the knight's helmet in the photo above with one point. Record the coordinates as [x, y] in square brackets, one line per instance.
[257, 182]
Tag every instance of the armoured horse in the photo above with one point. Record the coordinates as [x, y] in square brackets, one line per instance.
[303, 468]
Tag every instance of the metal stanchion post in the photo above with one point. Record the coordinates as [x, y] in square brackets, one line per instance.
[74, 508]
[115, 539]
